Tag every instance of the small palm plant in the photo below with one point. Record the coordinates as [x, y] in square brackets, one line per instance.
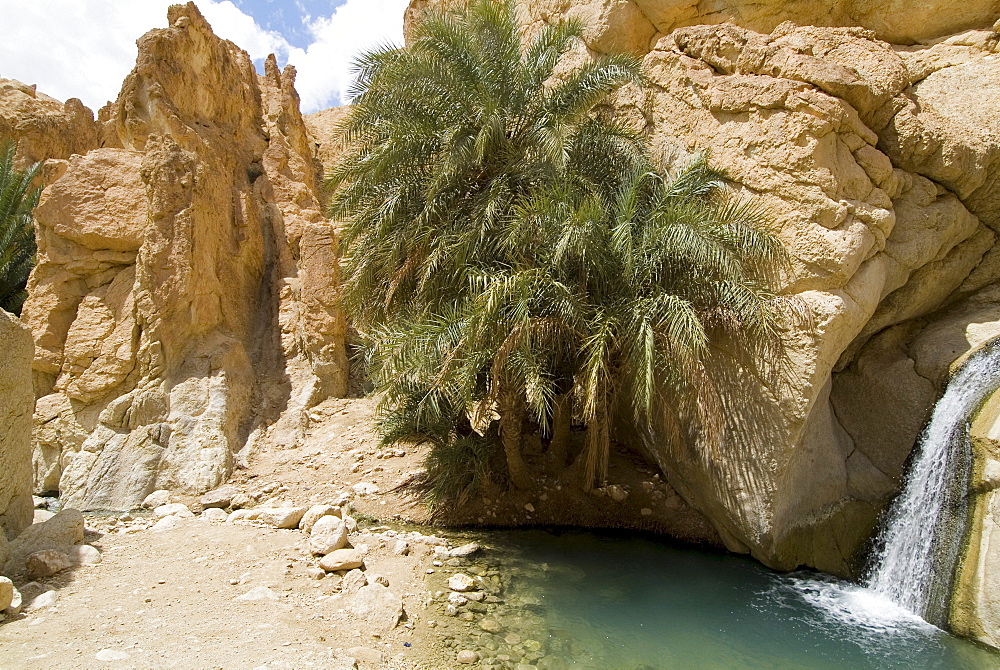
[17, 234]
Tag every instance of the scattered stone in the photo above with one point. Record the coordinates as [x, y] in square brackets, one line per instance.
[461, 582]
[282, 517]
[617, 493]
[451, 610]
[401, 548]
[215, 514]
[47, 598]
[240, 500]
[352, 523]
[166, 523]
[365, 488]
[257, 594]
[6, 593]
[46, 563]
[467, 656]
[490, 625]
[529, 507]
[353, 582]
[366, 655]
[645, 511]
[315, 573]
[156, 499]
[342, 559]
[240, 515]
[219, 498]
[16, 602]
[512, 639]
[465, 550]
[170, 509]
[379, 607]
[328, 534]
[314, 513]
[378, 579]
[111, 655]
[457, 599]
[476, 596]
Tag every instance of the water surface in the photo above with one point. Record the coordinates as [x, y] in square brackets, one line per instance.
[631, 603]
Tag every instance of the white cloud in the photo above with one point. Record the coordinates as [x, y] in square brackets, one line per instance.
[85, 48]
[324, 67]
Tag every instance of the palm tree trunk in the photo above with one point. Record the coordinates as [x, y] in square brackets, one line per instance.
[511, 418]
[592, 464]
[561, 419]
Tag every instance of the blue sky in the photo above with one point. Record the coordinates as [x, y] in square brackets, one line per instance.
[85, 48]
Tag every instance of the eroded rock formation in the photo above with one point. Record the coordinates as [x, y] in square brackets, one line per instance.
[16, 403]
[878, 163]
[183, 299]
[44, 127]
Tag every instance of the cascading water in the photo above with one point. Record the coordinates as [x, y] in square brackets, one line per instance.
[921, 540]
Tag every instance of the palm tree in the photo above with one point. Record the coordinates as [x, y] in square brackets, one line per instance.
[448, 137]
[17, 234]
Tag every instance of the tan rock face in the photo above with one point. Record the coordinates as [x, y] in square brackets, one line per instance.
[44, 127]
[183, 298]
[635, 25]
[16, 405]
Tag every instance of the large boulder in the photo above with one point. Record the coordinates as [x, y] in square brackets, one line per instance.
[183, 300]
[61, 533]
[16, 405]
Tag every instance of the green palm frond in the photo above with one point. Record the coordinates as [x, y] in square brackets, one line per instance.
[17, 234]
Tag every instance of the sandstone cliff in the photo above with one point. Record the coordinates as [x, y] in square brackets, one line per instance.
[44, 127]
[16, 402]
[182, 303]
[878, 162]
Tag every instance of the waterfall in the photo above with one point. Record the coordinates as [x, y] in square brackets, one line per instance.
[924, 530]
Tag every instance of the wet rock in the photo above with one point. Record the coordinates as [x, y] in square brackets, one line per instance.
[46, 563]
[328, 534]
[342, 559]
[461, 582]
[220, 497]
[467, 656]
[314, 513]
[490, 625]
[465, 550]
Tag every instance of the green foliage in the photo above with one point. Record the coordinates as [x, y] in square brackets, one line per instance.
[507, 249]
[17, 233]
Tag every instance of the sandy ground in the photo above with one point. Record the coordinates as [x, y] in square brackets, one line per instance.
[168, 599]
